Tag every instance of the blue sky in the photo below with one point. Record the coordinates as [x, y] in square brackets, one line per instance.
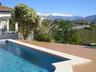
[74, 7]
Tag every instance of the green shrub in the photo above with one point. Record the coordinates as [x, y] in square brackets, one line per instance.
[87, 36]
[73, 37]
[44, 37]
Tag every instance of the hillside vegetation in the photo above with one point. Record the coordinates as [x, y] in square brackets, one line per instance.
[79, 31]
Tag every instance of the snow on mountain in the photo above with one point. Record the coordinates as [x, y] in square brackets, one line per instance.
[60, 16]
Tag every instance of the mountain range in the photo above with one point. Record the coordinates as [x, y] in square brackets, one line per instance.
[91, 18]
[64, 17]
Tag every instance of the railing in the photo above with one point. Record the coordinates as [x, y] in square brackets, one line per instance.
[5, 34]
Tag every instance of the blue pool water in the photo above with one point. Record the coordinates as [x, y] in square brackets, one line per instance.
[19, 58]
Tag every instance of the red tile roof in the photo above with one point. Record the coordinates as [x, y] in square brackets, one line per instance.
[5, 9]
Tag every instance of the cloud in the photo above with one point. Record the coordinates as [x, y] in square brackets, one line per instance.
[54, 14]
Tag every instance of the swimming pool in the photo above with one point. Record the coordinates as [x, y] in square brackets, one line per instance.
[18, 58]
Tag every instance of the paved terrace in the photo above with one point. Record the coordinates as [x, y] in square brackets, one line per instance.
[81, 51]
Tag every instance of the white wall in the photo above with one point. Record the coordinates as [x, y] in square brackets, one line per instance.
[2, 24]
[4, 19]
[5, 14]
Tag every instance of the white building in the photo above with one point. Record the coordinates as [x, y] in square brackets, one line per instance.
[5, 14]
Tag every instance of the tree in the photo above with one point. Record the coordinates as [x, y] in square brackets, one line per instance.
[93, 27]
[61, 33]
[44, 31]
[64, 32]
[74, 37]
[27, 19]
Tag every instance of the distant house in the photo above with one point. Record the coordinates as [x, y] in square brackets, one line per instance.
[5, 14]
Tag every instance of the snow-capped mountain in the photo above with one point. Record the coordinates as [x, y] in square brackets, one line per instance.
[68, 17]
[60, 16]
